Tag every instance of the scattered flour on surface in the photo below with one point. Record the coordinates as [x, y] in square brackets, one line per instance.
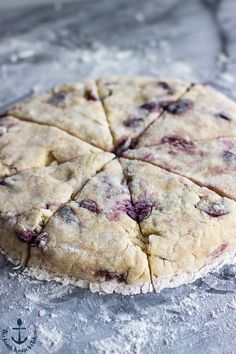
[50, 338]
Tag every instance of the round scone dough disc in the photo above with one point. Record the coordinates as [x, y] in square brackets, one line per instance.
[122, 184]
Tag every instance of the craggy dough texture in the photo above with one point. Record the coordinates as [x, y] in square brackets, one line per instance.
[75, 108]
[210, 163]
[77, 212]
[24, 145]
[183, 235]
[28, 199]
[93, 238]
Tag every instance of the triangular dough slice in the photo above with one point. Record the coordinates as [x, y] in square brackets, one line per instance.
[74, 107]
[132, 103]
[189, 229]
[29, 198]
[25, 145]
[95, 237]
[211, 163]
[202, 113]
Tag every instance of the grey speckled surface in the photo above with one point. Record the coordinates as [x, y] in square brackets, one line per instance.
[194, 40]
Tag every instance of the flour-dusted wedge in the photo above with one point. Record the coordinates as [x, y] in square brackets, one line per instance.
[75, 108]
[96, 237]
[25, 145]
[189, 229]
[211, 163]
[132, 103]
[29, 198]
[202, 113]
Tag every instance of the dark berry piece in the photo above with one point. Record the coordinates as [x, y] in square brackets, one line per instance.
[106, 275]
[143, 209]
[67, 214]
[57, 98]
[133, 122]
[178, 107]
[123, 145]
[165, 104]
[89, 95]
[177, 142]
[151, 107]
[127, 207]
[219, 250]
[223, 116]
[166, 87]
[32, 237]
[228, 156]
[216, 209]
[137, 211]
[27, 235]
[89, 204]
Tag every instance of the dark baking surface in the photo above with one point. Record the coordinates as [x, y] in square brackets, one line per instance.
[47, 45]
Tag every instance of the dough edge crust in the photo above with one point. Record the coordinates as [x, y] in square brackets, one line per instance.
[113, 286]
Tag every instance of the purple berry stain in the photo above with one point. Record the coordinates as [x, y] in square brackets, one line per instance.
[31, 237]
[176, 107]
[89, 204]
[133, 122]
[219, 250]
[151, 107]
[178, 143]
[228, 157]
[143, 209]
[215, 209]
[138, 210]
